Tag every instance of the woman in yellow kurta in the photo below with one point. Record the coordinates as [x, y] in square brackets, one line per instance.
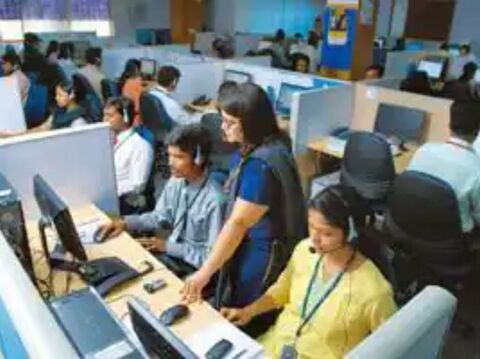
[331, 295]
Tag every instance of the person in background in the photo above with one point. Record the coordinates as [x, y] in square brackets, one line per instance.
[133, 155]
[168, 78]
[65, 59]
[318, 27]
[456, 162]
[91, 70]
[33, 60]
[190, 208]
[417, 82]
[279, 48]
[222, 48]
[374, 72]
[464, 89]
[327, 265]
[53, 52]
[309, 49]
[131, 85]
[266, 213]
[459, 62]
[11, 67]
[301, 63]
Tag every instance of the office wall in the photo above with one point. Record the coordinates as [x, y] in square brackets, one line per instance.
[127, 15]
[465, 21]
[383, 17]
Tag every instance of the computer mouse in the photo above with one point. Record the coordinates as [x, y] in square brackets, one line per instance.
[173, 314]
[97, 237]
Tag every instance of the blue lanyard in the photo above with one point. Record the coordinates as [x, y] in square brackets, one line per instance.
[308, 317]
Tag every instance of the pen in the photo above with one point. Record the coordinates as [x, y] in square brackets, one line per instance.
[240, 354]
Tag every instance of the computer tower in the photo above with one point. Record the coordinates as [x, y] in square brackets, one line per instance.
[12, 224]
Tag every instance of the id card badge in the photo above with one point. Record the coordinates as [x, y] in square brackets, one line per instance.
[288, 352]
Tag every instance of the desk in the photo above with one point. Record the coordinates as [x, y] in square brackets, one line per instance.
[401, 162]
[127, 249]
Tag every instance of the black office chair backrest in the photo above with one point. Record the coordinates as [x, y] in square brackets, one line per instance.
[109, 89]
[154, 115]
[368, 165]
[425, 207]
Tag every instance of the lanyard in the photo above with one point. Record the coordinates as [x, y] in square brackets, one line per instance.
[184, 216]
[308, 317]
[122, 142]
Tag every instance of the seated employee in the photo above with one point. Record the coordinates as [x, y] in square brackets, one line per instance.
[456, 162]
[11, 67]
[168, 78]
[300, 63]
[91, 70]
[191, 206]
[331, 296]
[374, 72]
[465, 88]
[417, 82]
[133, 155]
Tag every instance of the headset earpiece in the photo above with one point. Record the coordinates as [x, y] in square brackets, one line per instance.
[126, 118]
[198, 156]
[352, 232]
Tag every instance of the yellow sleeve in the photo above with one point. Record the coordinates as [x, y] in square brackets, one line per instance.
[280, 290]
[380, 310]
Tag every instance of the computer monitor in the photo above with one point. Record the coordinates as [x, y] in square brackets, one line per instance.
[432, 68]
[56, 214]
[284, 100]
[237, 76]
[401, 122]
[148, 67]
[157, 339]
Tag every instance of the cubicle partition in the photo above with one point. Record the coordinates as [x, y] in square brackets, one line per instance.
[78, 163]
[27, 327]
[13, 117]
[398, 62]
[386, 82]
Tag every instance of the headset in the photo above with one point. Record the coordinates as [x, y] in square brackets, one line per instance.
[198, 158]
[126, 118]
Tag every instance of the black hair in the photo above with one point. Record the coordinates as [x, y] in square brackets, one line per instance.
[417, 82]
[12, 58]
[190, 138]
[223, 48]
[379, 68]
[124, 106]
[465, 119]
[469, 71]
[53, 46]
[339, 203]
[66, 50]
[132, 68]
[465, 47]
[167, 75]
[75, 86]
[313, 39]
[251, 105]
[279, 35]
[31, 39]
[93, 55]
[296, 57]
[444, 46]
[226, 87]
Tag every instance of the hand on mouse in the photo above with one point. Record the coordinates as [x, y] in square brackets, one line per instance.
[153, 244]
[237, 316]
[111, 230]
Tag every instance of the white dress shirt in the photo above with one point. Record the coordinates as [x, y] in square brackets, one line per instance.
[133, 162]
[94, 76]
[68, 67]
[176, 111]
[476, 145]
[457, 164]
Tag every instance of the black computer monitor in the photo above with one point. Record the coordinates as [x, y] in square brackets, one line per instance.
[237, 76]
[157, 339]
[148, 67]
[56, 214]
[401, 122]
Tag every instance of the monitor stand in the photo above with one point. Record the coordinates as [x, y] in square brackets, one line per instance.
[104, 273]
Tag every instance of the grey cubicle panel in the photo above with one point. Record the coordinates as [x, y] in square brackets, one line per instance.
[398, 61]
[12, 117]
[78, 163]
[416, 331]
[27, 327]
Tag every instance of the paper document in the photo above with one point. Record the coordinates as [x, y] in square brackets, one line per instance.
[201, 342]
[87, 229]
[335, 144]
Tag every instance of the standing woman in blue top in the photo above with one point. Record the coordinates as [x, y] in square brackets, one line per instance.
[266, 209]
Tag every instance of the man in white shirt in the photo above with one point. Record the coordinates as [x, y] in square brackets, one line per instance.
[133, 155]
[91, 70]
[11, 67]
[456, 162]
[168, 78]
[459, 62]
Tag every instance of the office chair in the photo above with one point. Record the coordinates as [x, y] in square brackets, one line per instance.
[368, 167]
[109, 89]
[424, 226]
[156, 119]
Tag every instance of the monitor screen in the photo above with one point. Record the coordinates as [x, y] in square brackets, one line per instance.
[284, 101]
[148, 67]
[157, 339]
[401, 122]
[237, 76]
[477, 76]
[55, 212]
[433, 69]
